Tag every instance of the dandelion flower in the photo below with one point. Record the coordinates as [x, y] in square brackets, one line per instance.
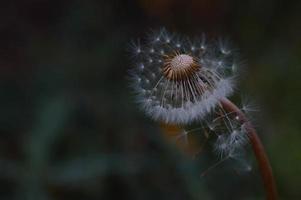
[177, 80]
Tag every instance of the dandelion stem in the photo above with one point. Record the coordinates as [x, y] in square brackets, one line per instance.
[260, 154]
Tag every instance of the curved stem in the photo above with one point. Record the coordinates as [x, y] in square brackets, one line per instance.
[261, 156]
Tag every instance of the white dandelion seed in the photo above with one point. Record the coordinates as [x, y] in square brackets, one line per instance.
[248, 105]
[238, 138]
[222, 147]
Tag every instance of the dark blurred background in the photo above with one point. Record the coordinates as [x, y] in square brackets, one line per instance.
[69, 128]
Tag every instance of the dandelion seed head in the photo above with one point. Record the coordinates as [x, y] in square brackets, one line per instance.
[185, 82]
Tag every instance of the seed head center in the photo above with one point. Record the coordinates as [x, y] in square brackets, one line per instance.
[180, 67]
[181, 62]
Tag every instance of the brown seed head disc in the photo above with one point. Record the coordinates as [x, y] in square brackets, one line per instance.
[179, 67]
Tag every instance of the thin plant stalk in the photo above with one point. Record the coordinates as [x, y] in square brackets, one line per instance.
[258, 149]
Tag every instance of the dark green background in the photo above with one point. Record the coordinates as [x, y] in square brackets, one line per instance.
[69, 128]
